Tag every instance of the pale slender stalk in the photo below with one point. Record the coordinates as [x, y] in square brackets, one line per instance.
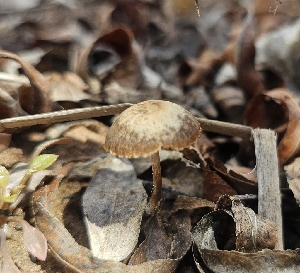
[269, 196]
[157, 183]
[226, 128]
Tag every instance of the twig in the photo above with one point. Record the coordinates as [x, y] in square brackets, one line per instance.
[60, 116]
[90, 112]
[226, 128]
[269, 197]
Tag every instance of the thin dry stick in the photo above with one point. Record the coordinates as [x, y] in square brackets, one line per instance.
[269, 197]
[90, 112]
[60, 116]
[226, 128]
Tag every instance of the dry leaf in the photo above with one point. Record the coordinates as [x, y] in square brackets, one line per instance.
[10, 156]
[252, 233]
[238, 228]
[237, 181]
[166, 239]
[214, 186]
[41, 92]
[78, 258]
[183, 202]
[277, 110]
[66, 87]
[292, 172]
[113, 57]
[113, 205]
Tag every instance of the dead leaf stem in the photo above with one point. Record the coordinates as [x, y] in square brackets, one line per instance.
[226, 128]
[269, 197]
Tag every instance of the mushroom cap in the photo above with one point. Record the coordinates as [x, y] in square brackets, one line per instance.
[146, 127]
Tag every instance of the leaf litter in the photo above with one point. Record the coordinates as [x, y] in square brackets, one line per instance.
[92, 209]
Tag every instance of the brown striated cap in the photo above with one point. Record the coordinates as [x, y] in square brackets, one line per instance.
[146, 127]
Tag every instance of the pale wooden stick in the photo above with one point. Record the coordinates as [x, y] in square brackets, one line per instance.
[214, 126]
[226, 128]
[269, 197]
[60, 116]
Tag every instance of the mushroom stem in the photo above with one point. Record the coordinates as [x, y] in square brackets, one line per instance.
[157, 183]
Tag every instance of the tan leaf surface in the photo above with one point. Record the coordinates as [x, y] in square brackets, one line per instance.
[277, 110]
[292, 172]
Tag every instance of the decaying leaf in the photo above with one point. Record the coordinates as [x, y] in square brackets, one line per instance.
[66, 87]
[237, 181]
[10, 156]
[188, 203]
[80, 259]
[277, 110]
[252, 233]
[265, 261]
[292, 172]
[41, 93]
[239, 230]
[164, 240]
[113, 205]
[214, 186]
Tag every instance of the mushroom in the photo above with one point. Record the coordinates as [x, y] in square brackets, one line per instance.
[145, 128]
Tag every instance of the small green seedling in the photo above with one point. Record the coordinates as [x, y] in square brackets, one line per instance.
[34, 240]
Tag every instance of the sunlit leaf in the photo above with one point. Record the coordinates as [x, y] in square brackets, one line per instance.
[4, 176]
[9, 199]
[42, 162]
[34, 240]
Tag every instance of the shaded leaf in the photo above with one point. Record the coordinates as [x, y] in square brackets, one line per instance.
[214, 186]
[165, 238]
[238, 182]
[188, 203]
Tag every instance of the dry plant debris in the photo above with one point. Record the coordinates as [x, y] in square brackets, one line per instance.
[227, 200]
